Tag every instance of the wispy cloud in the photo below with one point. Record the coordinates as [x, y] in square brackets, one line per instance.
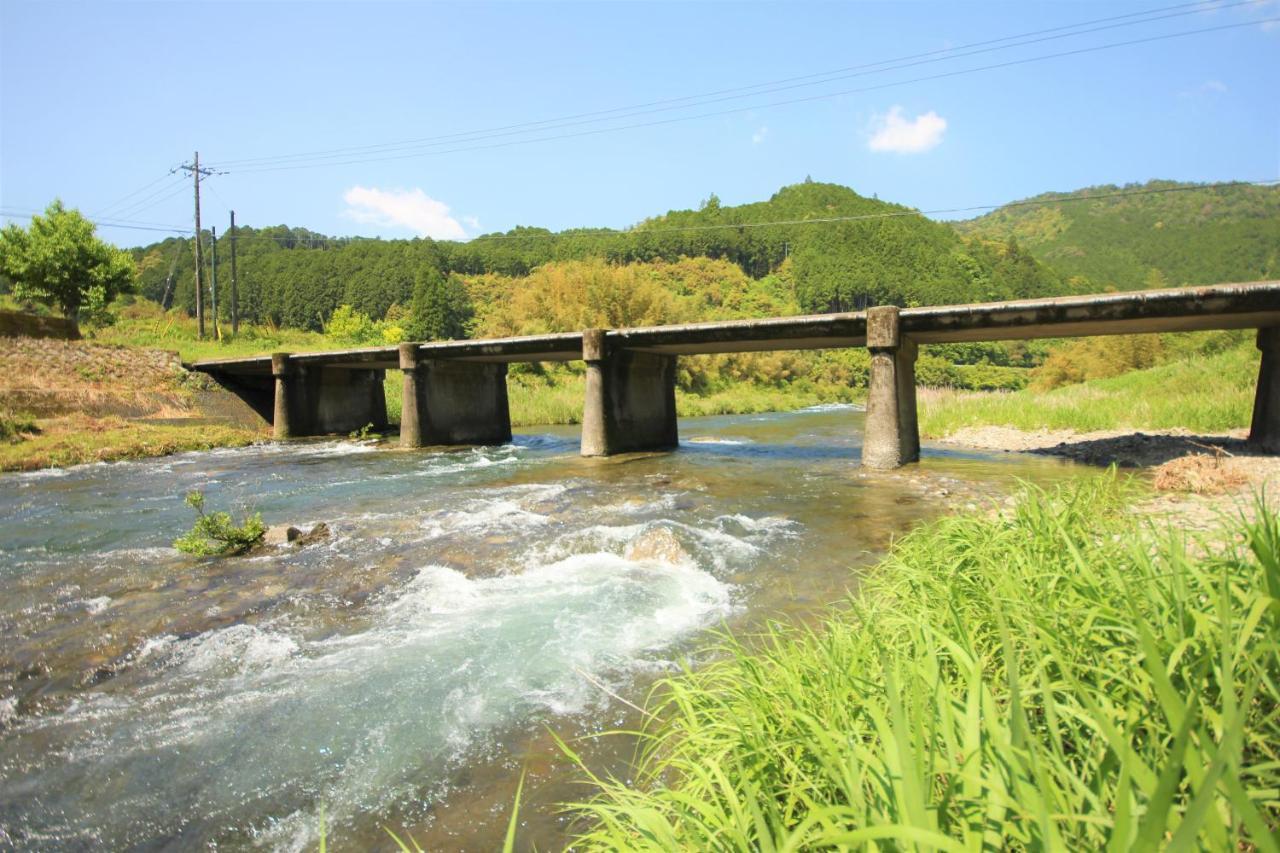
[1208, 87]
[894, 132]
[412, 210]
[759, 135]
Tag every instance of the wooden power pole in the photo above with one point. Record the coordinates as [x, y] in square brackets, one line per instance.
[196, 174]
[235, 301]
[213, 282]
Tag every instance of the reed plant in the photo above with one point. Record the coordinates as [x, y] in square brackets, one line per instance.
[1059, 676]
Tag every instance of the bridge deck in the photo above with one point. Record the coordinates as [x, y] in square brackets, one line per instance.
[1221, 306]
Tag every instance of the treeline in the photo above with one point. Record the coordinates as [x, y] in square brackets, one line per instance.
[1157, 234]
[874, 253]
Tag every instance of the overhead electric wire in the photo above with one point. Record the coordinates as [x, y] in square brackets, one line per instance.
[24, 212]
[721, 95]
[787, 102]
[149, 201]
[826, 220]
[125, 198]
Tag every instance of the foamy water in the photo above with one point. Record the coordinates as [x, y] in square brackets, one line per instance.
[464, 601]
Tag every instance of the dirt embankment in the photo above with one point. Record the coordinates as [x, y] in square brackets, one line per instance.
[92, 402]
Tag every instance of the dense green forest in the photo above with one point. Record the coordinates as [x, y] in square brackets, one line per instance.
[1178, 234]
[878, 253]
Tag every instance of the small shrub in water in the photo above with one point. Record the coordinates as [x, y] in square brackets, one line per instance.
[216, 535]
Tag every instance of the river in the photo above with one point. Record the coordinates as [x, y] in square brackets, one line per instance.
[404, 671]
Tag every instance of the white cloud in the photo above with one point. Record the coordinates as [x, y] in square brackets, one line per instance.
[759, 135]
[472, 222]
[412, 210]
[893, 132]
[1208, 87]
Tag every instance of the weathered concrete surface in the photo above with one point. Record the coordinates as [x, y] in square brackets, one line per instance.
[630, 399]
[452, 402]
[891, 436]
[323, 400]
[1221, 306]
[1264, 431]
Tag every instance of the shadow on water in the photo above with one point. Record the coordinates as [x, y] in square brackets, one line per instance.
[404, 670]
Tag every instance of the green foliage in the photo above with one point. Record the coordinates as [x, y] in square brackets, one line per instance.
[365, 432]
[59, 261]
[296, 278]
[1200, 392]
[1194, 235]
[440, 308]
[1056, 677]
[216, 535]
[15, 426]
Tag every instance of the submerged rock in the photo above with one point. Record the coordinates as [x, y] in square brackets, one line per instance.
[658, 544]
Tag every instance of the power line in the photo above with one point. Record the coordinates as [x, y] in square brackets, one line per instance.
[721, 95]
[166, 192]
[786, 102]
[22, 213]
[132, 194]
[827, 220]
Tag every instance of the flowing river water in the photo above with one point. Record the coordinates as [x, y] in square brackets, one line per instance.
[404, 671]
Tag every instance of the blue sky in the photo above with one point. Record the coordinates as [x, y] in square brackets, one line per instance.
[98, 100]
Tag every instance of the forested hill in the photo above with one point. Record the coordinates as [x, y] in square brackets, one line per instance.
[872, 251]
[1192, 234]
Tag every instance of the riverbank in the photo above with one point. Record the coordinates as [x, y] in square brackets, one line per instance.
[1061, 673]
[71, 402]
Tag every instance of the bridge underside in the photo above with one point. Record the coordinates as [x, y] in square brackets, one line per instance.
[455, 392]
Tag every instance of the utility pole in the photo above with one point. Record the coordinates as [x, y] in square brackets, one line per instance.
[196, 174]
[213, 282]
[235, 301]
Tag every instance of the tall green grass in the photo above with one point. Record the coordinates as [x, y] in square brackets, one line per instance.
[1209, 393]
[1060, 677]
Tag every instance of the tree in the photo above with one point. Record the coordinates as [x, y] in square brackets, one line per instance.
[59, 261]
[439, 309]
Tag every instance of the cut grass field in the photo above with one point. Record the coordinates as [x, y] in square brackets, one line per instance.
[1062, 676]
[1203, 393]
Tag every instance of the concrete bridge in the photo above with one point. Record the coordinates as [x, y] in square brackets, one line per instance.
[455, 392]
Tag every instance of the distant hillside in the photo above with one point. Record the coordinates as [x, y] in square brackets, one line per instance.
[1194, 235]
[877, 252]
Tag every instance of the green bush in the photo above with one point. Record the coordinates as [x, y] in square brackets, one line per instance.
[13, 427]
[1058, 677]
[216, 535]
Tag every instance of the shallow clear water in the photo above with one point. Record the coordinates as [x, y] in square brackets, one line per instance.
[402, 671]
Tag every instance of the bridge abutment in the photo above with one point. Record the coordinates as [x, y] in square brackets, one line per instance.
[323, 400]
[1264, 430]
[630, 401]
[452, 402]
[891, 436]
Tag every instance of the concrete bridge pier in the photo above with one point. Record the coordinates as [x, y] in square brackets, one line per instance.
[323, 400]
[631, 399]
[452, 402]
[892, 436]
[1264, 430]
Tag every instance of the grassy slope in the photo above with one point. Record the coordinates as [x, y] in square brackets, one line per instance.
[1210, 393]
[1057, 677]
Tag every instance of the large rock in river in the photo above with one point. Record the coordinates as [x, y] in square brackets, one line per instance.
[657, 544]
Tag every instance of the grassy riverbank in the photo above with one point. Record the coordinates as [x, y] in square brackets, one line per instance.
[1062, 676]
[1210, 393]
[77, 439]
